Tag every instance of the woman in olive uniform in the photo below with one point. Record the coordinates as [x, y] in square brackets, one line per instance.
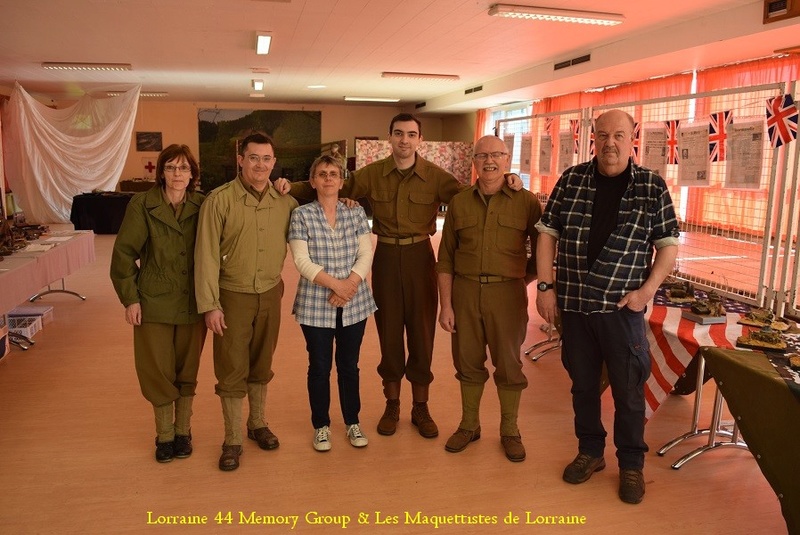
[152, 268]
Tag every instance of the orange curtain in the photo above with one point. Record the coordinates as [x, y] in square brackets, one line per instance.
[749, 73]
[480, 128]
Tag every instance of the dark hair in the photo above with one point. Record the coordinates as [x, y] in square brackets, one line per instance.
[258, 139]
[402, 117]
[326, 159]
[173, 152]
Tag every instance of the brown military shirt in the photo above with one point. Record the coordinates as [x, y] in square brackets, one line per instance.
[401, 206]
[487, 236]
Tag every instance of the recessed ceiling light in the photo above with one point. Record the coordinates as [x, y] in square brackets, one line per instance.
[263, 42]
[156, 94]
[371, 99]
[419, 76]
[257, 95]
[319, 86]
[555, 15]
[258, 85]
[66, 66]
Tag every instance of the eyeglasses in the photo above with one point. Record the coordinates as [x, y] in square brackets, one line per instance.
[483, 156]
[255, 158]
[325, 174]
[177, 168]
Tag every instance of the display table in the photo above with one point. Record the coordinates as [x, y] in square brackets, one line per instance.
[768, 415]
[674, 341]
[25, 273]
[101, 212]
[136, 185]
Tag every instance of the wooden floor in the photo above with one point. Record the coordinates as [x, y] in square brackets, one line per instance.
[76, 439]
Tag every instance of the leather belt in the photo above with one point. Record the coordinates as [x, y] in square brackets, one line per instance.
[403, 241]
[486, 279]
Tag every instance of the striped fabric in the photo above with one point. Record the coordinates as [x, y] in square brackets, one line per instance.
[673, 343]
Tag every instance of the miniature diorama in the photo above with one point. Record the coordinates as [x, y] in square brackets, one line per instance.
[765, 338]
[762, 317]
[707, 311]
[680, 292]
[794, 361]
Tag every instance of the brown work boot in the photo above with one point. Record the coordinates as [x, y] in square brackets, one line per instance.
[229, 460]
[388, 422]
[631, 486]
[515, 450]
[422, 419]
[266, 439]
[582, 468]
[461, 439]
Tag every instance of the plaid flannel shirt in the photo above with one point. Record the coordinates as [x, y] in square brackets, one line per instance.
[646, 222]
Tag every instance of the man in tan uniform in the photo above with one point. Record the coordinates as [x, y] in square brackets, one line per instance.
[241, 246]
[483, 272]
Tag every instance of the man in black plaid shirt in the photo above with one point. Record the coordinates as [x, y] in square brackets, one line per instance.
[606, 217]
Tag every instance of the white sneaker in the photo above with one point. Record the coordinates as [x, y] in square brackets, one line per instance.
[322, 438]
[356, 437]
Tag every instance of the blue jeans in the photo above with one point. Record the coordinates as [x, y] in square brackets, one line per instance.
[319, 343]
[618, 340]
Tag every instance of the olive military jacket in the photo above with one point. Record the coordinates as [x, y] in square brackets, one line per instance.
[163, 280]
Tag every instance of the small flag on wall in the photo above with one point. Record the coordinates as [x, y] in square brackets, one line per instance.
[149, 167]
[672, 140]
[717, 134]
[575, 127]
[781, 120]
[637, 141]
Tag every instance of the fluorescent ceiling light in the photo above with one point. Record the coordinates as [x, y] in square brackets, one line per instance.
[258, 85]
[556, 15]
[419, 76]
[318, 86]
[263, 41]
[66, 66]
[257, 95]
[371, 99]
[141, 93]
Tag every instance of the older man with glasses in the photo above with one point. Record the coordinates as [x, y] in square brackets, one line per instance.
[241, 246]
[483, 272]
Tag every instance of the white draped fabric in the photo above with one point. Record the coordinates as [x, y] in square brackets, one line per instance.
[53, 155]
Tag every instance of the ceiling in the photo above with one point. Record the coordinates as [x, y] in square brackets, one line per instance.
[203, 50]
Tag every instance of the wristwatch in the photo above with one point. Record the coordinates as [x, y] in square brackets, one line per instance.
[544, 286]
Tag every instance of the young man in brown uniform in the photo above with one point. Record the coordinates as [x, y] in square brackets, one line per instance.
[483, 273]
[405, 191]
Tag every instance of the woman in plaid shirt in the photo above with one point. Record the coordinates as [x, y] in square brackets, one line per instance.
[332, 248]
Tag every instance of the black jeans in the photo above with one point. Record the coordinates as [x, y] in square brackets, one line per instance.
[319, 343]
[618, 340]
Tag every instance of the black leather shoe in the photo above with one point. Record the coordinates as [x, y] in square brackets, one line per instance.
[183, 446]
[266, 439]
[229, 460]
[165, 451]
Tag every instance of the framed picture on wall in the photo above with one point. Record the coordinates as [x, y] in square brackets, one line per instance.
[148, 142]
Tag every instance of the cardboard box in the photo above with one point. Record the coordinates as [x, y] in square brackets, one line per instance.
[45, 311]
[25, 325]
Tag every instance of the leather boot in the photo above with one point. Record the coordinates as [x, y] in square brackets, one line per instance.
[387, 425]
[257, 428]
[183, 428]
[232, 447]
[419, 412]
[165, 433]
[509, 432]
[469, 430]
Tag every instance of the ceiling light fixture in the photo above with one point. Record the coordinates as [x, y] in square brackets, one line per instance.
[66, 66]
[141, 93]
[317, 86]
[555, 15]
[371, 99]
[258, 85]
[419, 76]
[263, 42]
[258, 95]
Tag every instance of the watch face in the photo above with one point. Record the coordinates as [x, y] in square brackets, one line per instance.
[542, 286]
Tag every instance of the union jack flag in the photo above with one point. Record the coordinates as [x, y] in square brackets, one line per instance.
[637, 138]
[548, 125]
[672, 140]
[591, 142]
[781, 120]
[717, 134]
[575, 126]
